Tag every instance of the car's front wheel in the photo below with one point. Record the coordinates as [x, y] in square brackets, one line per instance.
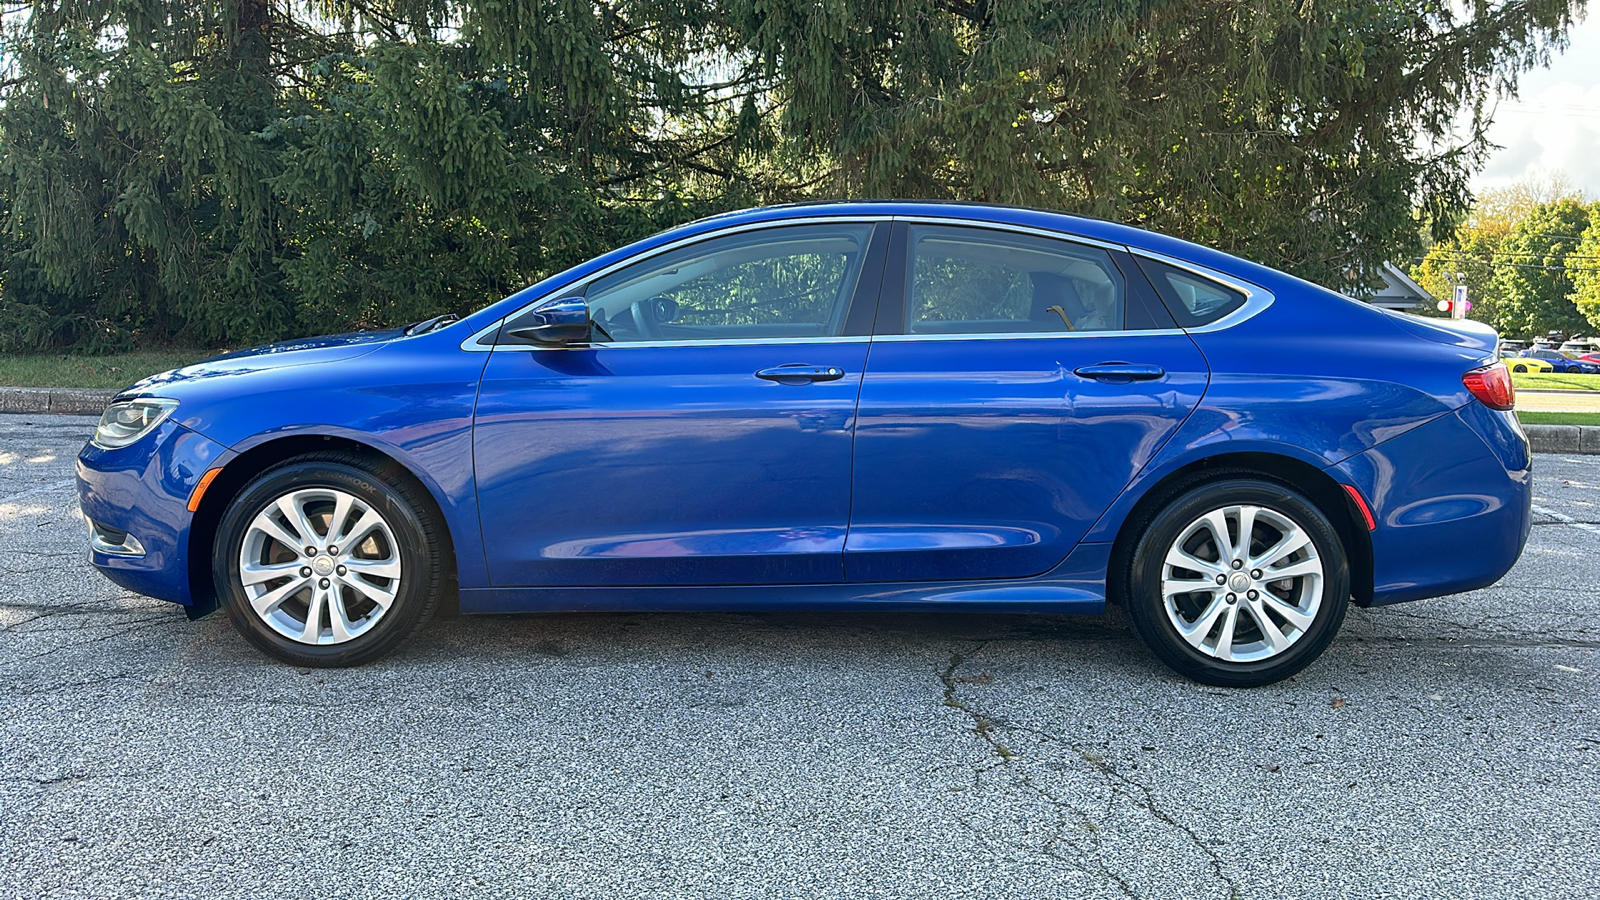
[320, 561]
[1238, 582]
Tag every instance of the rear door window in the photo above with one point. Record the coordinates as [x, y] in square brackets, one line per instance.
[978, 281]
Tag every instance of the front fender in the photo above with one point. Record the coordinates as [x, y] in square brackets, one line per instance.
[410, 400]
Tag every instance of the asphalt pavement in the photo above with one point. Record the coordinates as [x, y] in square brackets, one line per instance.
[1447, 748]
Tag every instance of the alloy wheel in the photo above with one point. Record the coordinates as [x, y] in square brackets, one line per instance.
[1242, 583]
[319, 566]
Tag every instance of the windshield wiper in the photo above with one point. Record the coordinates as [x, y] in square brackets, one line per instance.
[427, 325]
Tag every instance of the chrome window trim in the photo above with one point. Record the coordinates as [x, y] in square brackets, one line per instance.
[471, 344]
[1034, 335]
[1065, 236]
[731, 342]
[1256, 298]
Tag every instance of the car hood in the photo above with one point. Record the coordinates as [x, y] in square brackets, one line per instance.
[1457, 332]
[282, 355]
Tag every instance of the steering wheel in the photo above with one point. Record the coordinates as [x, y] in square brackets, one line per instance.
[644, 320]
[649, 315]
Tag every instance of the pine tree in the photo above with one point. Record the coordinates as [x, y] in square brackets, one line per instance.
[223, 172]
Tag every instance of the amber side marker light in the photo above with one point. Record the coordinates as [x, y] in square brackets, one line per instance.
[200, 489]
[1361, 504]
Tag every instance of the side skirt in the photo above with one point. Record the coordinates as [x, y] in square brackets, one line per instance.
[1076, 586]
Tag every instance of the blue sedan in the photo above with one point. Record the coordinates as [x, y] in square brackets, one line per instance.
[849, 406]
[1562, 363]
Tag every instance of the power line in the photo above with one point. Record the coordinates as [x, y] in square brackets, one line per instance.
[1512, 265]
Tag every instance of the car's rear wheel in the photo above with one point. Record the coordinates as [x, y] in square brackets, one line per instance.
[321, 562]
[1519, 368]
[1238, 582]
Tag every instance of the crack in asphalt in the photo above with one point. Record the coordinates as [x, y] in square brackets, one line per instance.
[1069, 817]
[144, 625]
[983, 726]
[22, 691]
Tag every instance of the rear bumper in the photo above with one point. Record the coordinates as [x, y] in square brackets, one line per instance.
[142, 490]
[1452, 500]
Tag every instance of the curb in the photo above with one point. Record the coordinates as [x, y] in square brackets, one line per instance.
[1564, 438]
[1582, 439]
[57, 401]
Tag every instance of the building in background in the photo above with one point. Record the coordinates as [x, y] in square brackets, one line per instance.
[1400, 293]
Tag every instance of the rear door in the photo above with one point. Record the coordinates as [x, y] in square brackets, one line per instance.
[1017, 382]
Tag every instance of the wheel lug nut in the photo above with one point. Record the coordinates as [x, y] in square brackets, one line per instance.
[341, 570]
[311, 551]
[1238, 564]
[1255, 573]
[1252, 595]
[305, 571]
[324, 582]
[1222, 579]
[332, 550]
[1233, 598]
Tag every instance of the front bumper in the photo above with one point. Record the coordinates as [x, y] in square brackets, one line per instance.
[1452, 500]
[135, 499]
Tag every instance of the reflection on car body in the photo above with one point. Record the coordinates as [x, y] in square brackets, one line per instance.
[838, 406]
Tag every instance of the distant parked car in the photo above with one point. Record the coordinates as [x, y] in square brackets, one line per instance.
[1525, 363]
[1561, 362]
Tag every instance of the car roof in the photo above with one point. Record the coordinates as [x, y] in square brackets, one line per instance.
[959, 212]
[977, 213]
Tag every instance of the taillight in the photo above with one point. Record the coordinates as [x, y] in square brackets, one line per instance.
[1492, 386]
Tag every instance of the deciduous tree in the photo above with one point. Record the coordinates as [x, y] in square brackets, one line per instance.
[1532, 274]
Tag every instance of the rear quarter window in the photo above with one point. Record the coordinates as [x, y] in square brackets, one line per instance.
[1193, 300]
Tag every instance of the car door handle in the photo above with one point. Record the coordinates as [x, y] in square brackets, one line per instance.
[1120, 372]
[800, 373]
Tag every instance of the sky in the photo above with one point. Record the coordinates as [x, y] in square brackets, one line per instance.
[1553, 125]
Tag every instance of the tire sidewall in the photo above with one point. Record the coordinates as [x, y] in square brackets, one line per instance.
[1147, 609]
[410, 602]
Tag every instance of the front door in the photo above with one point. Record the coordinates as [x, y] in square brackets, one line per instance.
[704, 436]
[1017, 384]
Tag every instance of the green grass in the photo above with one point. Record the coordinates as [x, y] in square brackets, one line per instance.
[115, 371]
[1552, 381]
[1559, 418]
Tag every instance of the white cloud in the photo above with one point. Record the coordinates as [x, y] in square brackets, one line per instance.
[1553, 125]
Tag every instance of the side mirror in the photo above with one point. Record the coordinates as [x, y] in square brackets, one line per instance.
[563, 321]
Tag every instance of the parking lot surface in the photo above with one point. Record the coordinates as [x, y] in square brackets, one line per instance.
[1443, 748]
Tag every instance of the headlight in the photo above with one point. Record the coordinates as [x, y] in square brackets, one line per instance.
[128, 420]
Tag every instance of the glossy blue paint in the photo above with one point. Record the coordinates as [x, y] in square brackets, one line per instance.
[143, 489]
[970, 473]
[1452, 501]
[991, 458]
[409, 398]
[1076, 586]
[665, 465]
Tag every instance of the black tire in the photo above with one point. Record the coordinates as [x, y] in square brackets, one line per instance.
[417, 544]
[1519, 368]
[1147, 607]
